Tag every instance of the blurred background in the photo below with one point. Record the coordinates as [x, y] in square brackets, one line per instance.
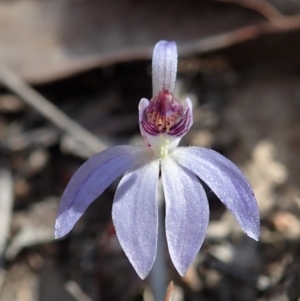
[91, 59]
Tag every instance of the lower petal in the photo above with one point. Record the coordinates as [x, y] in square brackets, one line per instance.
[226, 181]
[135, 216]
[187, 213]
[91, 179]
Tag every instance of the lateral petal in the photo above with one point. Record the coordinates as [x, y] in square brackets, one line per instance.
[187, 213]
[227, 181]
[91, 179]
[135, 216]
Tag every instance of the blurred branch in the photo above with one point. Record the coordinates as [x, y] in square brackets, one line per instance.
[6, 204]
[50, 111]
[260, 6]
[224, 40]
[76, 292]
[169, 293]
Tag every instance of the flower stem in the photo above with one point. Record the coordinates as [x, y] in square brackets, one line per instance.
[158, 275]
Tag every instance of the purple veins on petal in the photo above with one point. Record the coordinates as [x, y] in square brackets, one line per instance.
[154, 123]
[91, 179]
[226, 181]
[187, 213]
[183, 126]
[135, 216]
[164, 111]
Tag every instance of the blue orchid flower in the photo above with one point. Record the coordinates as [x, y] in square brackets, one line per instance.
[163, 120]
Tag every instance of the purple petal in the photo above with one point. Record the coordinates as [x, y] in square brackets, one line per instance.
[135, 216]
[226, 181]
[91, 179]
[164, 67]
[187, 213]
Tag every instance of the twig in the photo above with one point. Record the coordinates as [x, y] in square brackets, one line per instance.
[169, 293]
[262, 7]
[240, 35]
[50, 111]
[6, 203]
[74, 289]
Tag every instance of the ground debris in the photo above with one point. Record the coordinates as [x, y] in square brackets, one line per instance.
[240, 67]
